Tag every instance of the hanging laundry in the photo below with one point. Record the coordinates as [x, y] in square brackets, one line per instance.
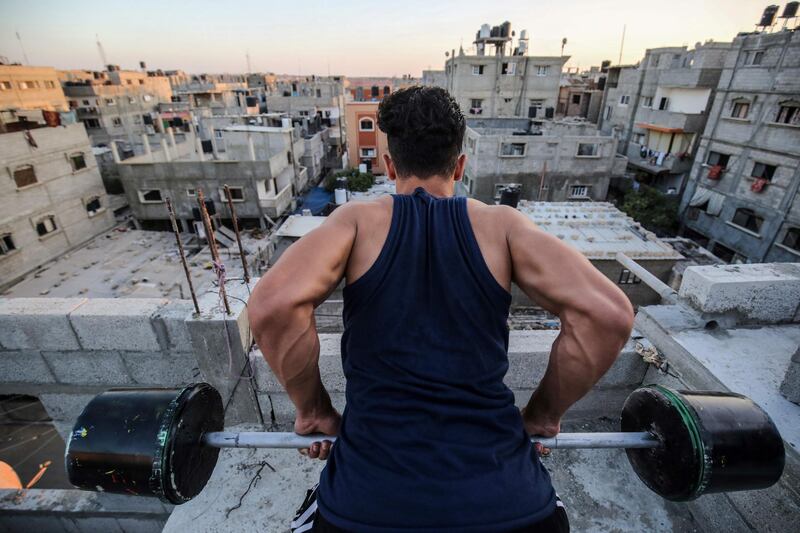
[759, 184]
[660, 158]
[715, 172]
[51, 118]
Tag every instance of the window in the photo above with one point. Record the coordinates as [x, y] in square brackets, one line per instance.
[753, 57]
[218, 134]
[535, 108]
[718, 159]
[91, 123]
[626, 277]
[763, 171]
[663, 104]
[319, 93]
[477, 70]
[512, 149]
[7, 244]
[5, 85]
[789, 114]
[28, 85]
[588, 150]
[368, 153]
[49, 84]
[87, 102]
[146, 97]
[723, 252]
[740, 109]
[116, 121]
[576, 99]
[509, 69]
[792, 239]
[471, 143]
[78, 161]
[46, 225]
[131, 100]
[542, 70]
[467, 183]
[475, 106]
[579, 191]
[624, 99]
[191, 193]
[647, 101]
[24, 176]
[498, 189]
[609, 110]
[747, 219]
[366, 124]
[150, 196]
[93, 206]
[237, 194]
[110, 102]
[637, 138]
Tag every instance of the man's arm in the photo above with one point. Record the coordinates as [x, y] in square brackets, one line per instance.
[596, 318]
[281, 315]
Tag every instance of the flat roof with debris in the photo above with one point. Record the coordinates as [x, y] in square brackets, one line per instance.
[297, 226]
[598, 229]
[125, 263]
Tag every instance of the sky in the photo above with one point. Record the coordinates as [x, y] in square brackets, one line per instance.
[347, 37]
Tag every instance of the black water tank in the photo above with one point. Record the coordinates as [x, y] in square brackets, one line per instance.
[768, 17]
[510, 194]
[790, 11]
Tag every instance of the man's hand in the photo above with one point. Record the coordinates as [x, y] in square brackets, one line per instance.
[539, 425]
[327, 423]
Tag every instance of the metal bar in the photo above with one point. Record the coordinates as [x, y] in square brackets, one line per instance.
[183, 255]
[236, 231]
[665, 291]
[212, 244]
[224, 439]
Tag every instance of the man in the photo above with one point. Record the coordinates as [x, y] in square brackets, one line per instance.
[430, 439]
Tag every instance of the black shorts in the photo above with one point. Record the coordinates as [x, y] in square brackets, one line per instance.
[307, 519]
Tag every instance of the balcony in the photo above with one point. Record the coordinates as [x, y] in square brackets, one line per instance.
[669, 164]
[668, 120]
[274, 205]
[690, 78]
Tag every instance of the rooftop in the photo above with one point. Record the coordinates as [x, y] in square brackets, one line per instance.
[598, 229]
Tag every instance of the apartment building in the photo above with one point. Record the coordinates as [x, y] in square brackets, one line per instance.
[366, 144]
[580, 94]
[261, 164]
[373, 89]
[221, 93]
[23, 87]
[658, 110]
[507, 83]
[51, 194]
[741, 201]
[553, 160]
[116, 105]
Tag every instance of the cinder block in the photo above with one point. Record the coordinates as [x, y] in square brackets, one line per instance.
[790, 388]
[173, 319]
[161, 369]
[284, 408]
[24, 366]
[65, 407]
[38, 323]
[92, 368]
[117, 324]
[764, 293]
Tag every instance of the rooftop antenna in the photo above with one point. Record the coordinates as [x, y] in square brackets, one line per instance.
[621, 44]
[24, 55]
[103, 57]
[247, 55]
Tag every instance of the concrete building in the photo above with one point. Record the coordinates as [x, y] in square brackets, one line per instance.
[741, 201]
[507, 83]
[51, 195]
[261, 164]
[434, 78]
[222, 93]
[580, 94]
[549, 160]
[658, 110]
[600, 231]
[24, 87]
[366, 144]
[116, 105]
[373, 89]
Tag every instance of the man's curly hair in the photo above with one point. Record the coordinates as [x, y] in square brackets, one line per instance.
[425, 129]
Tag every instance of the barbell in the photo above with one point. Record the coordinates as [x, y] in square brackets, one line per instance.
[165, 442]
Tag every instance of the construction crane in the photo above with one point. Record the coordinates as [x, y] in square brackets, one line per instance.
[103, 57]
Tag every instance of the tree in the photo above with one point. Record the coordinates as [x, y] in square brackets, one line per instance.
[356, 181]
[652, 209]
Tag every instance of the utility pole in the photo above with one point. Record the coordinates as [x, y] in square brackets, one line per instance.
[621, 44]
[103, 57]
[24, 55]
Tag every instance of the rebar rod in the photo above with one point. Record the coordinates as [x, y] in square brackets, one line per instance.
[246, 274]
[183, 255]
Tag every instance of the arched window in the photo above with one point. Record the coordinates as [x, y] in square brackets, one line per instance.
[366, 124]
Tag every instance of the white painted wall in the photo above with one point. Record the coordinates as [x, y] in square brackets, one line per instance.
[690, 101]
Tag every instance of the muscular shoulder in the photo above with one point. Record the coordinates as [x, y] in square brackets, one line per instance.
[496, 218]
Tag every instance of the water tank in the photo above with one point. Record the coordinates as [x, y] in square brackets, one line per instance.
[495, 31]
[142, 65]
[768, 17]
[604, 65]
[485, 31]
[510, 194]
[505, 29]
[790, 11]
[523, 35]
[523, 47]
[340, 192]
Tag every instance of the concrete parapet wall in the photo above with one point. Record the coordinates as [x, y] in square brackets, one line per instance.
[764, 293]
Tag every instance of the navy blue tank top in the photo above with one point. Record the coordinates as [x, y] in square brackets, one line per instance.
[430, 437]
